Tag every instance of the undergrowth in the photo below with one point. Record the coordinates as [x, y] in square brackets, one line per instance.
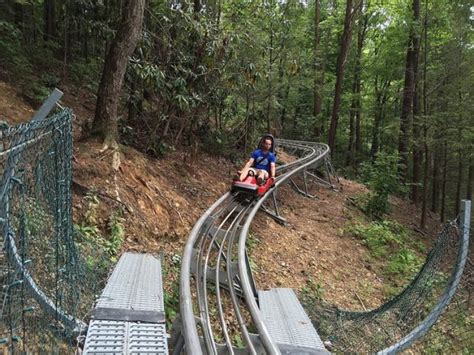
[381, 177]
[312, 291]
[100, 249]
[389, 241]
[171, 271]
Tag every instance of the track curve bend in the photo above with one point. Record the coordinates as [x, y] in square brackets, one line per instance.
[215, 254]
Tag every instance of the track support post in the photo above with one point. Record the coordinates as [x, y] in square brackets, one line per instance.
[274, 214]
[298, 189]
[330, 172]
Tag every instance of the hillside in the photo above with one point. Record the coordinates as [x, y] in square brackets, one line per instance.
[160, 199]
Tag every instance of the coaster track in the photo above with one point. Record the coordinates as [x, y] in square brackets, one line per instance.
[215, 254]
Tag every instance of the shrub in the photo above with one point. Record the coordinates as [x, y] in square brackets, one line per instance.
[377, 236]
[312, 291]
[382, 178]
[404, 263]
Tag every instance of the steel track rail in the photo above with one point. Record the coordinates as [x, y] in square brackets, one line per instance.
[224, 220]
[268, 343]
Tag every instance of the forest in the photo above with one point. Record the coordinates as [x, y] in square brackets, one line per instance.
[387, 81]
[175, 93]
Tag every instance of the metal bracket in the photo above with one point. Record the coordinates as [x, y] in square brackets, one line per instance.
[320, 181]
[305, 191]
[330, 172]
[275, 215]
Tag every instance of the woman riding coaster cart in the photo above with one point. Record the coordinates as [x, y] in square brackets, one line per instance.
[258, 174]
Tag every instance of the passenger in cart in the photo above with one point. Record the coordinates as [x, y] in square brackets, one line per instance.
[261, 163]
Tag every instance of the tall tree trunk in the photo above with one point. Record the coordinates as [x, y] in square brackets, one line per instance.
[340, 65]
[49, 10]
[350, 146]
[197, 6]
[323, 118]
[381, 97]
[284, 88]
[247, 118]
[317, 99]
[65, 38]
[270, 64]
[105, 121]
[426, 170]
[417, 152]
[296, 115]
[135, 101]
[435, 182]
[283, 109]
[356, 107]
[408, 93]
[18, 10]
[444, 181]
[375, 128]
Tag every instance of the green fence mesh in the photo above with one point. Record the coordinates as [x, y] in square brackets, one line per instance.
[47, 289]
[422, 301]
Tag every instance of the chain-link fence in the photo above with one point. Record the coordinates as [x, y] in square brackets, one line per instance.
[42, 274]
[402, 322]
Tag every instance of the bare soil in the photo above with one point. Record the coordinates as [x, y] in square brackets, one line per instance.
[315, 248]
[163, 198]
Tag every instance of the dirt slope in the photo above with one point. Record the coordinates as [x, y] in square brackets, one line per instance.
[162, 199]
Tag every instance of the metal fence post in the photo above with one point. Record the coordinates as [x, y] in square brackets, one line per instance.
[48, 105]
[465, 218]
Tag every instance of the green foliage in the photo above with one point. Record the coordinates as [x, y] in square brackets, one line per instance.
[22, 61]
[117, 233]
[159, 148]
[239, 343]
[13, 56]
[378, 236]
[101, 250]
[219, 143]
[86, 73]
[382, 178]
[91, 215]
[312, 291]
[36, 218]
[404, 263]
[171, 271]
[252, 242]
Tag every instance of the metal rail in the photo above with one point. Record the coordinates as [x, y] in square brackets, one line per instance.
[215, 251]
[450, 290]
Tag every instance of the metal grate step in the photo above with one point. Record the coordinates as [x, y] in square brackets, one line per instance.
[129, 315]
[288, 323]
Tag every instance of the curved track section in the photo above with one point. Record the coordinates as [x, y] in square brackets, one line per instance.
[214, 316]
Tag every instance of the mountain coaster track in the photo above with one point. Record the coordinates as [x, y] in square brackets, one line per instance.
[221, 310]
[216, 254]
